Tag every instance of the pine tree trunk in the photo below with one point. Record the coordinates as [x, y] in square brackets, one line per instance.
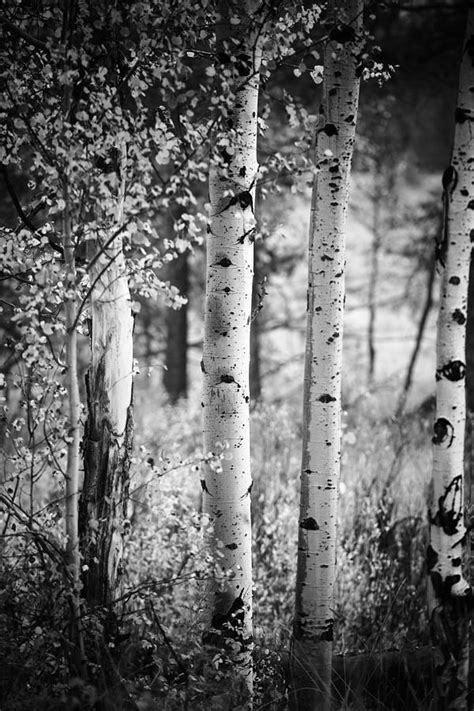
[449, 592]
[225, 361]
[175, 377]
[313, 623]
[109, 427]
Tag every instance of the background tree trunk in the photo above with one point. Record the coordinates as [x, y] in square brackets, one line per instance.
[449, 592]
[175, 376]
[313, 623]
[427, 306]
[225, 361]
[255, 335]
[377, 227]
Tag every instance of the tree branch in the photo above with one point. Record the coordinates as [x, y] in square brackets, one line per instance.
[24, 35]
[11, 191]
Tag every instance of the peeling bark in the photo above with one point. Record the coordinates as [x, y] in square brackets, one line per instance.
[109, 427]
[313, 623]
[225, 362]
[450, 594]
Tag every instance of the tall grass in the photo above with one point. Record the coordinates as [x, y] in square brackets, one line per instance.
[158, 655]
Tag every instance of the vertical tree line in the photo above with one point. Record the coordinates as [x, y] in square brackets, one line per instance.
[227, 483]
[101, 172]
[450, 595]
[334, 139]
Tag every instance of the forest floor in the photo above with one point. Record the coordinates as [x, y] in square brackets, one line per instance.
[380, 601]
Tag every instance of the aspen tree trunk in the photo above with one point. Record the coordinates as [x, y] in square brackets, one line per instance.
[109, 427]
[72, 387]
[73, 442]
[225, 360]
[311, 650]
[449, 592]
[72, 382]
[469, 444]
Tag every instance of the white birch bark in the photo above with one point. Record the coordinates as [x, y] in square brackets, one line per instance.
[313, 622]
[449, 592]
[225, 360]
[108, 435]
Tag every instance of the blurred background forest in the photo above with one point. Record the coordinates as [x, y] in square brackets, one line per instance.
[403, 145]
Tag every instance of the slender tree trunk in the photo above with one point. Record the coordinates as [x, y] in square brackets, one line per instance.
[255, 335]
[109, 428]
[469, 447]
[374, 268]
[419, 338]
[74, 437]
[175, 376]
[72, 385]
[470, 340]
[449, 592]
[225, 361]
[313, 622]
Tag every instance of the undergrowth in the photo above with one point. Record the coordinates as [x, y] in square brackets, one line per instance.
[158, 657]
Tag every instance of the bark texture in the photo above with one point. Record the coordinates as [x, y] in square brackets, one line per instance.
[449, 591]
[109, 427]
[225, 362]
[313, 622]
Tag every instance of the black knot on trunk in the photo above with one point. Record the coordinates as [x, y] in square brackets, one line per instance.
[227, 379]
[224, 262]
[309, 524]
[454, 370]
[330, 129]
[327, 398]
[443, 432]
[342, 34]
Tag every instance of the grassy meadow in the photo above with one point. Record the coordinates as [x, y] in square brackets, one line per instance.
[159, 659]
